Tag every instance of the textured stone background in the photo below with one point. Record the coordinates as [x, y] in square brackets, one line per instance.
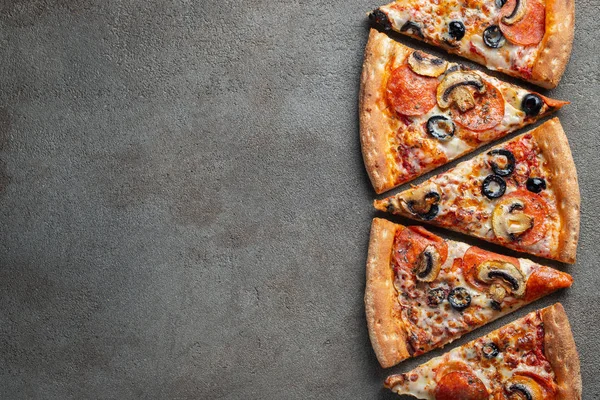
[184, 212]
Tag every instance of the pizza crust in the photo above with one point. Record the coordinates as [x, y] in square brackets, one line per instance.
[373, 124]
[556, 45]
[554, 146]
[560, 350]
[386, 330]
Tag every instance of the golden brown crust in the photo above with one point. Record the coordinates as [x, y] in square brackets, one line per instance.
[386, 330]
[555, 148]
[560, 350]
[373, 125]
[555, 48]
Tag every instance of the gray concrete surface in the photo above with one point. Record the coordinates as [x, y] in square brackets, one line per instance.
[184, 211]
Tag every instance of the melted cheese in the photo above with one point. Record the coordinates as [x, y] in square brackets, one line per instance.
[494, 372]
[434, 17]
[437, 325]
[462, 199]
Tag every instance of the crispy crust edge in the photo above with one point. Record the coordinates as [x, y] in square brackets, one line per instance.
[554, 146]
[386, 330]
[373, 127]
[555, 50]
[560, 350]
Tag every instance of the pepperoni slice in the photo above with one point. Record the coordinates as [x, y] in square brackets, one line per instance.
[530, 29]
[461, 385]
[535, 207]
[411, 242]
[546, 280]
[556, 104]
[474, 256]
[409, 93]
[487, 113]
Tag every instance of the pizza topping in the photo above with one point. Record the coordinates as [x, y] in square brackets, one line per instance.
[504, 275]
[530, 28]
[493, 37]
[380, 18]
[410, 94]
[490, 350]
[429, 264]
[535, 185]
[493, 187]
[532, 104]
[426, 65]
[440, 127]
[517, 14]
[423, 205]
[509, 221]
[456, 30]
[413, 28]
[435, 297]
[520, 216]
[504, 165]
[459, 298]
[462, 385]
[524, 388]
[453, 89]
[487, 113]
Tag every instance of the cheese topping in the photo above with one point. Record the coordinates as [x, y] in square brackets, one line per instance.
[433, 18]
[430, 319]
[464, 207]
[514, 352]
[414, 150]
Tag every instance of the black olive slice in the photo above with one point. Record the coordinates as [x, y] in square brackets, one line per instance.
[435, 297]
[440, 127]
[427, 208]
[500, 3]
[380, 18]
[531, 104]
[412, 27]
[490, 350]
[510, 162]
[493, 37]
[496, 305]
[535, 185]
[456, 30]
[459, 298]
[493, 187]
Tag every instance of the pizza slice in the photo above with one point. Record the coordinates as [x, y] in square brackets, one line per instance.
[522, 194]
[418, 112]
[424, 291]
[532, 358]
[528, 39]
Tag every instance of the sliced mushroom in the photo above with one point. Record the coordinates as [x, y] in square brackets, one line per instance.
[453, 89]
[426, 65]
[524, 388]
[413, 28]
[502, 275]
[509, 221]
[428, 265]
[422, 203]
[497, 292]
[517, 14]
